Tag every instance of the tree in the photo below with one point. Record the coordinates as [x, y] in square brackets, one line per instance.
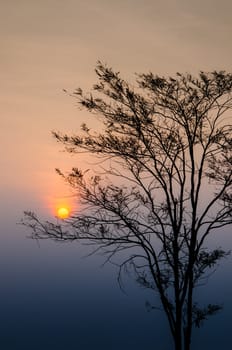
[163, 144]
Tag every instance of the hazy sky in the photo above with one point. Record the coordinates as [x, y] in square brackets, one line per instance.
[50, 45]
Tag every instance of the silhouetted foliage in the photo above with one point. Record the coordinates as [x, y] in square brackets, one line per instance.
[164, 186]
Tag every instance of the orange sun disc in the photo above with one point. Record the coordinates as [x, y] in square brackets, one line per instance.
[63, 212]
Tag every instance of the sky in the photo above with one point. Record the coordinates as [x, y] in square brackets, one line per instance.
[48, 46]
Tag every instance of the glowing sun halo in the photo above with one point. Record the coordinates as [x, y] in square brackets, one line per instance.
[63, 212]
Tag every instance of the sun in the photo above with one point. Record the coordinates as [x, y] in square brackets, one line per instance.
[63, 212]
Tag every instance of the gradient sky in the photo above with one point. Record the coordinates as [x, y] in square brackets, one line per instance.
[49, 45]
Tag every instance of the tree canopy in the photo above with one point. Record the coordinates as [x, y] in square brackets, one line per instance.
[165, 183]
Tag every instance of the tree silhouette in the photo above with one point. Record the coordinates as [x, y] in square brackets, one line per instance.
[165, 184]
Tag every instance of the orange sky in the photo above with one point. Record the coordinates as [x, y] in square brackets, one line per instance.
[49, 45]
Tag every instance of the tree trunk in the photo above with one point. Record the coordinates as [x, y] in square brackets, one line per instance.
[188, 329]
[178, 338]
[187, 338]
